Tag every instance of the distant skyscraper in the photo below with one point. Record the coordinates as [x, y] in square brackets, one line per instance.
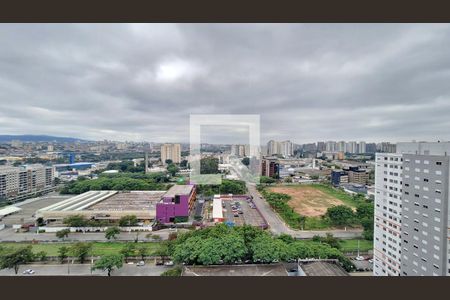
[362, 147]
[286, 148]
[172, 152]
[273, 147]
[330, 146]
[351, 147]
[321, 146]
[340, 147]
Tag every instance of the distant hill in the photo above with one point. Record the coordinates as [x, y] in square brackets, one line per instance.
[38, 138]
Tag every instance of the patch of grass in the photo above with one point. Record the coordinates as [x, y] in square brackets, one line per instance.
[336, 193]
[352, 245]
[316, 223]
[98, 248]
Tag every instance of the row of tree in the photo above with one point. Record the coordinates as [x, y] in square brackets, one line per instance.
[119, 183]
[226, 245]
[236, 187]
[13, 257]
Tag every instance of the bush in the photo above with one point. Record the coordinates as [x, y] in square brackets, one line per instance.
[181, 219]
[173, 272]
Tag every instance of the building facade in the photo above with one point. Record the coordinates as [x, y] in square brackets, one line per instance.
[176, 203]
[421, 184]
[17, 183]
[172, 152]
[270, 167]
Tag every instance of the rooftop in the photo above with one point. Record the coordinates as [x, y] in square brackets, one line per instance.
[322, 268]
[179, 190]
[236, 270]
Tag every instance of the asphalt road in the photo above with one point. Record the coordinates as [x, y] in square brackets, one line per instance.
[277, 226]
[149, 269]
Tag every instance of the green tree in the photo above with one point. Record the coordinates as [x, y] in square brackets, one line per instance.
[81, 251]
[128, 250]
[168, 161]
[209, 165]
[183, 163]
[128, 220]
[112, 232]
[246, 161]
[63, 253]
[109, 263]
[172, 169]
[340, 215]
[63, 233]
[41, 256]
[266, 180]
[75, 221]
[13, 258]
[142, 251]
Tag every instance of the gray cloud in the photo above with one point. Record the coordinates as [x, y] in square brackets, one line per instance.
[308, 82]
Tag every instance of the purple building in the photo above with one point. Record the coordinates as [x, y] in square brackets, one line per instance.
[177, 202]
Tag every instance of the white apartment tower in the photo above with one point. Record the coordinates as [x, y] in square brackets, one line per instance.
[388, 204]
[420, 240]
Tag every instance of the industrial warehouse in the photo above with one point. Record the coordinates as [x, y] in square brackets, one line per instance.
[164, 206]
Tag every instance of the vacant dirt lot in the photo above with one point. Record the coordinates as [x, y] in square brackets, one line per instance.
[307, 200]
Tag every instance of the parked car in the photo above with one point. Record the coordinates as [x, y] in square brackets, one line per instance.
[359, 258]
[371, 261]
[28, 271]
[140, 264]
[168, 263]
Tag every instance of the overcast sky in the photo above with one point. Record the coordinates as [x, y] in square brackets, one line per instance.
[308, 82]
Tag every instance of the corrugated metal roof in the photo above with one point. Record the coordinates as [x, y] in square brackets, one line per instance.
[9, 210]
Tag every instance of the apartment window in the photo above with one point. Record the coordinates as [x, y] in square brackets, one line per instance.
[438, 192]
[436, 266]
[439, 163]
[437, 200]
[426, 162]
[438, 182]
[425, 179]
[438, 172]
[437, 210]
[425, 206]
[426, 171]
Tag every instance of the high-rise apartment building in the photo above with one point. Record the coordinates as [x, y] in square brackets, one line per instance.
[411, 233]
[362, 147]
[287, 149]
[351, 147]
[18, 182]
[172, 152]
[330, 146]
[340, 146]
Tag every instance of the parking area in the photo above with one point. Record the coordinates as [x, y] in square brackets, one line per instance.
[241, 211]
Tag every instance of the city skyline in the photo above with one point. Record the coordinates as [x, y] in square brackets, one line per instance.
[308, 82]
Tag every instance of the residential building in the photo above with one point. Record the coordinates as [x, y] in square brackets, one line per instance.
[388, 211]
[351, 147]
[362, 147]
[330, 146]
[273, 148]
[270, 167]
[17, 183]
[321, 146]
[340, 147]
[412, 236]
[287, 149]
[172, 152]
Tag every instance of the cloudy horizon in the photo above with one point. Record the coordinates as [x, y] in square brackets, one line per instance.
[308, 82]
